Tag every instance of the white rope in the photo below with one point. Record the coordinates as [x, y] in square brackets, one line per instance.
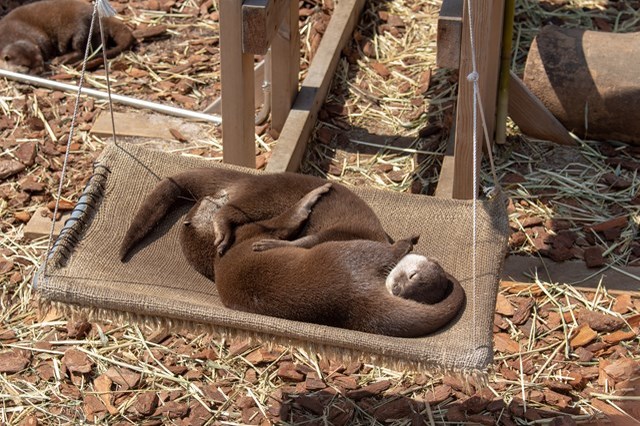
[473, 78]
[105, 10]
[72, 127]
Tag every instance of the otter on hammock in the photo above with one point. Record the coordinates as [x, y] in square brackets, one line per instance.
[371, 286]
[38, 32]
[228, 199]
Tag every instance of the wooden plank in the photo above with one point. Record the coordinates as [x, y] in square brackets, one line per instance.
[449, 34]
[444, 189]
[237, 89]
[285, 67]
[260, 22]
[40, 225]
[137, 124]
[533, 118]
[288, 153]
[487, 18]
[521, 268]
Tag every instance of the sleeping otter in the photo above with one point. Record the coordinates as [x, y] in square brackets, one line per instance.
[345, 284]
[35, 33]
[245, 198]
[231, 204]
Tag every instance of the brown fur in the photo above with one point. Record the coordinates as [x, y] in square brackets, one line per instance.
[337, 283]
[35, 33]
[341, 215]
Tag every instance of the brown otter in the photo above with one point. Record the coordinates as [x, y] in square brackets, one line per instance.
[35, 33]
[254, 207]
[341, 215]
[339, 283]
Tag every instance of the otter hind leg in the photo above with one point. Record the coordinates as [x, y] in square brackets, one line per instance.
[269, 243]
[280, 227]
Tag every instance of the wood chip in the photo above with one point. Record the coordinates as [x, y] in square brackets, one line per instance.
[369, 390]
[619, 336]
[523, 311]
[395, 409]
[583, 336]
[77, 361]
[503, 306]
[78, 329]
[94, 409]
[623, 304]
[124, 377]
[178, 136]
[599, 321]
[12, 362]
[503, 343]
[618, 222]
[102, 385]
[287, 371]
[623, 369]
[9, 168]
[63, 206]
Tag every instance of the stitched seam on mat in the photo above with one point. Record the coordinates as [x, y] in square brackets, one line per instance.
[76, 225]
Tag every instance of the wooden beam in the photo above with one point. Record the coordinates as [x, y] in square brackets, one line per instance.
[533, 118]
[449, 34]
[487, 18]
[140, 125]
[237, 89]
[260, 22]
[289, 150]
[522, 268]
[444, 189]
[285, 67]
[40, 224]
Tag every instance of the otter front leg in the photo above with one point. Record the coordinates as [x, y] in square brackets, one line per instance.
[390, 257]
[402, 247]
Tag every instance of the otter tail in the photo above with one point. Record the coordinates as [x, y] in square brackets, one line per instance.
[191, 185]
[407, 318]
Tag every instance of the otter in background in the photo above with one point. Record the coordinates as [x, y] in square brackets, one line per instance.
[36, 33]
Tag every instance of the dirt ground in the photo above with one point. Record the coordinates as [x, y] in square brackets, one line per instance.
[562, 356]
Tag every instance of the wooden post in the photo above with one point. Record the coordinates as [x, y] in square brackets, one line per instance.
[289, 151]
[237, 89]
[285, 66]
[487, 16]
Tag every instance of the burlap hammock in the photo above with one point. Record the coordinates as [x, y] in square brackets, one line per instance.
[85, 275]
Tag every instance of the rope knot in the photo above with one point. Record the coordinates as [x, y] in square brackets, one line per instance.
[473, 76]
[105, 10]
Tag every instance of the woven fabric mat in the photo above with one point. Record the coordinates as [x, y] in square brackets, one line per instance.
[84, 271]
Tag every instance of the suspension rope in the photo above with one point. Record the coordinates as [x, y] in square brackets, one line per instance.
[105, 10]
[72, 127]
[477, 109]
[473, 78]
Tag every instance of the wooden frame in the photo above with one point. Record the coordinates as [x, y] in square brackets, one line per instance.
[251, 27]
[454, 51]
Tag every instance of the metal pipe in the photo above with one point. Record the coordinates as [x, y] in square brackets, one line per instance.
[125, 100]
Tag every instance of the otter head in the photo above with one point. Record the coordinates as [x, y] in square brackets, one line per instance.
[418, 278]
[22, 56]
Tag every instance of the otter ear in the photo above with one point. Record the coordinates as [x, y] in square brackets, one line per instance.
[6, 57]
